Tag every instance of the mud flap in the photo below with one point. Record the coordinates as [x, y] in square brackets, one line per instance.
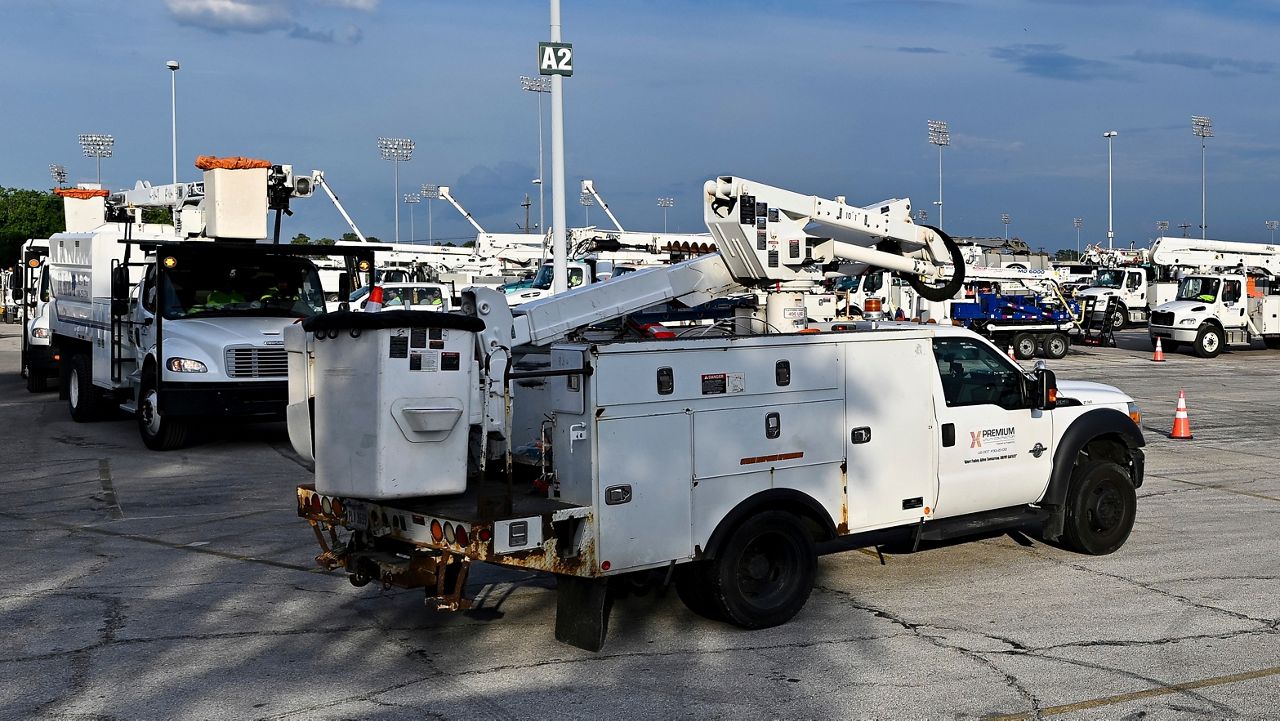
[582, 611]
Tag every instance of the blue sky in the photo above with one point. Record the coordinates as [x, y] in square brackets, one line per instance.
[824, 97]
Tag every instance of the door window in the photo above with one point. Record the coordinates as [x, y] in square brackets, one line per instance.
[1231, 291]
[974, 374]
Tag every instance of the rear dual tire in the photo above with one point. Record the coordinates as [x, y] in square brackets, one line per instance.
[84, 400]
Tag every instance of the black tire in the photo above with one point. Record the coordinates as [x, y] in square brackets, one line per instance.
[1056, 346]
[1024, 346]
[37, 382]
[1209, 341]
[1272, 342]
[764, 573]
[1119, 318]
[1167, 345]
[1101, 507]
[158, 432]
[84, 400]
[693, 586]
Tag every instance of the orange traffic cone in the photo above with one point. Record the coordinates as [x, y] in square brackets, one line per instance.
[1181, 424]
[1158, 357]
[1012, 357]
[375, 300]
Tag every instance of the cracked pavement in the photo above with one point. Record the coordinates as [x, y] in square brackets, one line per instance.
[142, 585]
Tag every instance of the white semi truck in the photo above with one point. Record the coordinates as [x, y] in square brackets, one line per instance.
[715, 461]
[177, 324]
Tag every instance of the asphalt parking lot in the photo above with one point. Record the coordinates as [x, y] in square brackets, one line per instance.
[143, 585]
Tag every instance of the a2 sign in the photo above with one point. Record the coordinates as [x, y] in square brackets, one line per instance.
[555, 59]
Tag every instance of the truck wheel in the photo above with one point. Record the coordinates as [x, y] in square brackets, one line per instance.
[1272, 341]
[37, 382]
[1209, 341]
[158, 433]
[1024, 346]
[764, 573]
[1056, 345]
[1119, 318]
[693, 586]
[1101, 506]
[83, 398]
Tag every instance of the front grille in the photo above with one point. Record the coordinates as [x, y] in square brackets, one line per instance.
[257, 362]
[1162, 317]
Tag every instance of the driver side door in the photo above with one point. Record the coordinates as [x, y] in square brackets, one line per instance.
[996, 450]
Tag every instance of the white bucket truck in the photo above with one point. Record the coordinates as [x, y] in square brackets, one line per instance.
[715, 461]
[30, 291]
[180, 324]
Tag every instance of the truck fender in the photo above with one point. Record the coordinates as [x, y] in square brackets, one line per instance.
[777, 499]
[1098, 423]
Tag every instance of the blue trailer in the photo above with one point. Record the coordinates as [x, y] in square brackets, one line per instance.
[1030, 324]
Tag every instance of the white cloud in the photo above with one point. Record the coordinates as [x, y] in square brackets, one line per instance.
[253, 16]
[365, 5]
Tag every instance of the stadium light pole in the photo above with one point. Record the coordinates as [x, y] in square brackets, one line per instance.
[1271, 226]
[665, 203]
[1111, 231]
[97, 146]
[538, 85]
[1078, 223]
[173, 113]
[1161, 227]
[939, 135]
[587, 201]
[412, 200]
[59, 174]
[922, 215]
[1004, 218]
[431, 192]
[1202, 127]
[396, 150]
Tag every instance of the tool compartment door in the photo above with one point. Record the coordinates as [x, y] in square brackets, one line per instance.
[888, 432]
[645, 472]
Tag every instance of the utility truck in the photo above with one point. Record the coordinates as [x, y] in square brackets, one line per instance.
[29, 289]
[715, 461]
[180, 323]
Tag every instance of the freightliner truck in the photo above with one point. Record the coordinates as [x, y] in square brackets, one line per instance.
[713, 461]
[178, 324]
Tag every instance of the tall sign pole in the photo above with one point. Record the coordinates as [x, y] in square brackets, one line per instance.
[556, 59]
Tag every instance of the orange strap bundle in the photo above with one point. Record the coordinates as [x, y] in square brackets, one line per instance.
[212, 162]
[80, 193]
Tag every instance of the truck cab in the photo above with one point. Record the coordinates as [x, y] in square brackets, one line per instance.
[31, 293]
[580, 273]
[1130, 284]
[1213, 312]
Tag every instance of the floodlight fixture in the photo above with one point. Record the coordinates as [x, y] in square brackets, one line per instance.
[431, 192]
[939, 135]
[396, 150]
[59, 174]
[1202, 127]
[97, 146]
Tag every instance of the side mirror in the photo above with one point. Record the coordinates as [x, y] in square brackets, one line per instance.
[1044, 389]
[119, 290]
[344, 284]
[15, 280]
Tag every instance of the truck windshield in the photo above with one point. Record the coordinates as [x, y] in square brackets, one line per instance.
[269, 286]
[1111, 278]
[543, 279]
[1197, 288]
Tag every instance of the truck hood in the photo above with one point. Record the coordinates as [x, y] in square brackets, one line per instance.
[1092, 393]
[1098, 292]
[218, 332]
[1178, 307]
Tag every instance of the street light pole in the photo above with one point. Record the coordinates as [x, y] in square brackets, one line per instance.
[939, 135]
[396, 150]
[587, 201]
[1078, 223]
[412, 200]
[665, 203]
[97, 146]
[430, 191]
[1271, 226]
[1202, 127]
[560, 264]
[1004, 218]
[538, 85]
[1162, 226]
[1111, 231]
[173, 113]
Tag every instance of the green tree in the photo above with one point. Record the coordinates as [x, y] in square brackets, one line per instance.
[325, 241]
[27, 214]
[161, 216]
[373, 239]
[301, 239]
[1067, 254]
[350, 237]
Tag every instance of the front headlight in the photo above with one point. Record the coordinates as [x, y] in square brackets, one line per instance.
[39, 332]
[1135, 413]
[186, 365]
[1187, 321]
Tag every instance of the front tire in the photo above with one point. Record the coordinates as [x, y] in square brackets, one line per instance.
[1119, 318]
[37, 382]
[1101, 507]
[84, 400]
[763, 575]
[1209, 342]
[1056, 346]
[159, 433]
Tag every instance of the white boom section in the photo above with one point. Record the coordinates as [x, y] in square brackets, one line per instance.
[1206, 255]
[444, 193]
[589, 186]
[317, 177]
[784, 243]
[1113, 257]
